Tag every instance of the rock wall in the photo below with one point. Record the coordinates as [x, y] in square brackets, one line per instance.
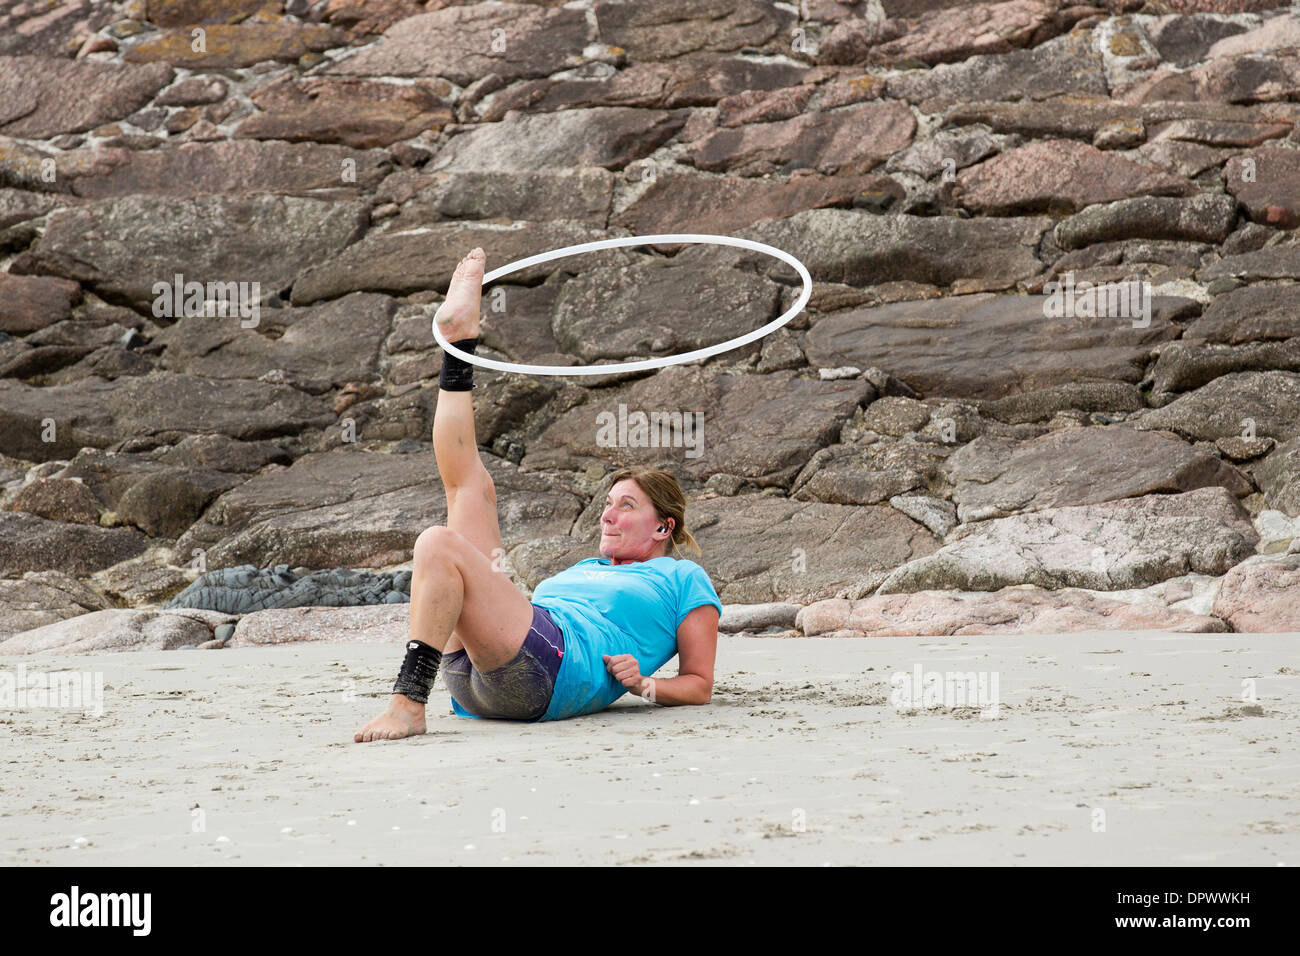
[1048, 377]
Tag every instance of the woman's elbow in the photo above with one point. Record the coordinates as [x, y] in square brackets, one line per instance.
[706, 692]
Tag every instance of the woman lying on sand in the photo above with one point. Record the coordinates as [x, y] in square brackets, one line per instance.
[583, 640]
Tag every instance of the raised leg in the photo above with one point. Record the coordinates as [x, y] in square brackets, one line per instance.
[458, 598]
[471, 496]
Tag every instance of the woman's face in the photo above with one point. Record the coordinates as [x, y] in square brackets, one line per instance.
[629, 528]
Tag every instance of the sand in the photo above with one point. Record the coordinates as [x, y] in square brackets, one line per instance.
[1129, 748]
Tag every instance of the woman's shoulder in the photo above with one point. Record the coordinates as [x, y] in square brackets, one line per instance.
[685, 568]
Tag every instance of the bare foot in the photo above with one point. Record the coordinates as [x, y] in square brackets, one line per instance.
[403, 718]
[458, 316]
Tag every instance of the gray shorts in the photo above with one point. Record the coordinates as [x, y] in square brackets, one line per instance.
[519, 690]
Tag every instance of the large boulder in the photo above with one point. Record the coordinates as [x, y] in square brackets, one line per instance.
[44, 597]
[29, 543]
[994, 477]
[44, 96]
[358, 509]
[123, 247]
[864, 249]
[1133, 542]
[987, 346]
[1259, 596]
[117, 630]
[1011, 610]
[702, 422]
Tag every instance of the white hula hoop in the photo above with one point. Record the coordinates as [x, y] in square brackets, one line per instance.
[703, 353]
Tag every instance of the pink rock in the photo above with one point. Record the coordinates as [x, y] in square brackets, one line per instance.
[1273, 34]
[1060, 175]
[118, 630]
[956, 33]
[368, 624]
[1262, 598]
[1011, 610]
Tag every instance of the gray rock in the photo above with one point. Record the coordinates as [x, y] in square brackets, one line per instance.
[244, 589]
[1181, 367]
[1248, 314]
[607, 136]
[996, 477]
[146, 580]
[655, 308]
[1281, 261]
[363, 509]
[986, 346]
[895, 415]
[759, 427]
[98, 414]
[755, 617]
[46, 95]
[1183, 39]
[1232, 404]
[780, 351]
[264, 239]
[1204, 218]
[1064, 64]
[315, 349]
[223, 453]
[1278, 477]
[1133, 542]
[937, 514]
[406, 262]
[1041, 404]
[861, 248]
[578, 195]
[947, 150]
[29, 543]
[868, 475]
[59, 499]
[43, 597]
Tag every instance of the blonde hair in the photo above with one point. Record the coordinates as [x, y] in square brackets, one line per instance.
[666, 496]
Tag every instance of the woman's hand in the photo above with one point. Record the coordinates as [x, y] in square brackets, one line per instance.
[627, 671]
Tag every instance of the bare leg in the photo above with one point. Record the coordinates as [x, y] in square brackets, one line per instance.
[455, 586]
[471, 496]
[436, 599]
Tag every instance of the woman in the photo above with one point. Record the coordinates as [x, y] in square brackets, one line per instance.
[584, 639]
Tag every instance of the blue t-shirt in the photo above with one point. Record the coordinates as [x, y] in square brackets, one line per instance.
[605, 608]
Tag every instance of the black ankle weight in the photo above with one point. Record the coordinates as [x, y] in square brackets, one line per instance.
[457, 374]
[418, 671]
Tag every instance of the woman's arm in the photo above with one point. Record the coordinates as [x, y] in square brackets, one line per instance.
[697, 649]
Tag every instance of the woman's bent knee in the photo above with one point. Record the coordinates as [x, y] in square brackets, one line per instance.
[437, 542]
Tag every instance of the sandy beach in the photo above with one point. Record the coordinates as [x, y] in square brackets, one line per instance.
[1116, 748]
